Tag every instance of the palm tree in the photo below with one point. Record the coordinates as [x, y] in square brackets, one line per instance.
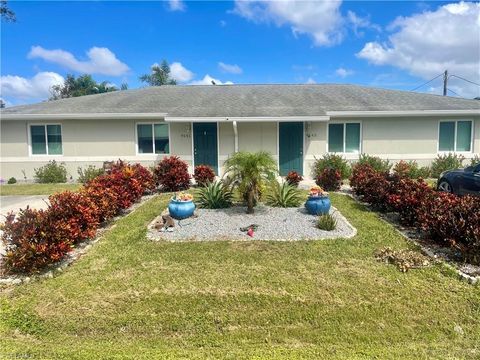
[159, 76]
[247, 171]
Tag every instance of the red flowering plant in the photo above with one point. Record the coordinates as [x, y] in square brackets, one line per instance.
[171, 174]
[293, 178]
[31, 241]
[203, 174]
[329, 179]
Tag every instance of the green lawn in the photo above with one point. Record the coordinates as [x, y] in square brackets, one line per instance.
[35, 189]
[131, 298]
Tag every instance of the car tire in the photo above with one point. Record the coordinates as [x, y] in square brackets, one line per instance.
[444, 185]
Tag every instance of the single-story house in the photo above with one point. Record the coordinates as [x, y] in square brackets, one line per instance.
[206, 124]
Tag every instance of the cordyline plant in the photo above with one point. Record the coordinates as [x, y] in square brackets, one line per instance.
[248, 171]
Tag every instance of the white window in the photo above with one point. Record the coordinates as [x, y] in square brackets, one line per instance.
[153, 138]
[344, 138]
[455, 135]
[46, 139]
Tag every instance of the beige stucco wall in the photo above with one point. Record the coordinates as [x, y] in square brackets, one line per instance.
[92, 142]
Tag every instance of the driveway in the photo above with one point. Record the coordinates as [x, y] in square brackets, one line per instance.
[17, 202]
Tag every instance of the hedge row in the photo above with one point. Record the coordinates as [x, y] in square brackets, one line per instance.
[37, 238]
[444, 217]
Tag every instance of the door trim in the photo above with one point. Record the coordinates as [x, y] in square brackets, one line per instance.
[303, 145]
[193, 145]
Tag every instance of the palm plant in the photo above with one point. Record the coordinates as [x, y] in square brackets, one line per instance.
[283, 195]
[247, 171]
[215, 195]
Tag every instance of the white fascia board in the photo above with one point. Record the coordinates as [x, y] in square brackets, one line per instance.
[93, 116]
[360, 114]
[245, 118]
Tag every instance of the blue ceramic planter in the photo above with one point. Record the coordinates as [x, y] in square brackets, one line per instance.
[317, 205]
[181, 209]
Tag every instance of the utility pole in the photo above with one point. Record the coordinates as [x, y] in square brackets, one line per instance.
[445, 80]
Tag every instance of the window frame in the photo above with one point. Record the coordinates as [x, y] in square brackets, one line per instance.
[344, 123]
[30, 140]
[455, 121]
[152, 123]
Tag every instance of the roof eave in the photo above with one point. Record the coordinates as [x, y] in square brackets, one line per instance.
[401, 113]
[85, 116]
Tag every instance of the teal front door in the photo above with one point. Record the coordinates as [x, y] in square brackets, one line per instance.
[205, 148]
[290, 137]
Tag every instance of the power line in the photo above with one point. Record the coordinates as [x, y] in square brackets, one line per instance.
[429, 81]
[453, 92]
[461, 78]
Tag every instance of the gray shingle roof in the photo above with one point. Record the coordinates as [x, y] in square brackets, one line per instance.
[248, 100]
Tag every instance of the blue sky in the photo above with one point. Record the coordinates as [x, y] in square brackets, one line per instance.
[397, 45]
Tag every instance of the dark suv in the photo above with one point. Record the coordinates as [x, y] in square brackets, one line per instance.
[461, 181]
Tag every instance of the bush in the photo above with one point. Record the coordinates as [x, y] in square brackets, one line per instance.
[329, 179]
[408, 197]
[284, 195]
[52, 172]
[375, 162]
[446, 162]
[411, 170]
[215, 195]
[332, 161]
[327, 222]
[371, 185]
[31, 241]
[171, 174]
[90, 173]
[143, 176]
[475, 160]
[454, 220]
[293, 178]
[106, 201]
[12, 180]
[203, 174]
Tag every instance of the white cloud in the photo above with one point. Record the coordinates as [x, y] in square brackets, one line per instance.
[319, 19]
[230, 69]
[357, 22]
[310, 81]
[223, 23]
[101, 60]
[180, 73]
[207, 80]
[176, 5]
[343, 73]
[37, 87]
[430, 42]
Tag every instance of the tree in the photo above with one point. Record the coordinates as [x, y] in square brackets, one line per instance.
[83, 85]
[2, 104]
[6, 13]
[124, 86]
[248, 171]
[159, 76]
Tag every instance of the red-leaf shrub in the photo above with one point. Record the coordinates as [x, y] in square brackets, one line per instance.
[408, 197]
[293, 178]
[454, 220]
[144, 176]
[203, 174]
[329, 179]
[106, 201]
[32, 241]
[371, 185]
[74, 215]
[172, 174]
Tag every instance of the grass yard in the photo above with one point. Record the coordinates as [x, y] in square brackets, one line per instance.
[131, 298]
[36, 189]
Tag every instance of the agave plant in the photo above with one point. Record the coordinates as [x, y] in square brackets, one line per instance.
[248, 171]
[327, 222]
[283, 195]
[215, 195]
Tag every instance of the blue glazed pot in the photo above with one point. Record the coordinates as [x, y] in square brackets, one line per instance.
[317, 205]
[181, 209]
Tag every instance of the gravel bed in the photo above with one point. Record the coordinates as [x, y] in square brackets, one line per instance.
[273, 224]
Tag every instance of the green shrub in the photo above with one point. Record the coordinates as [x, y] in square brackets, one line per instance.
[411, 170]
[52, 172]
[12, 180]
[283, 195]
[375, 162]
[446, 162]
[475, 160]
[327, 222]
[90, 173]
[332, 161]
[215, 195]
